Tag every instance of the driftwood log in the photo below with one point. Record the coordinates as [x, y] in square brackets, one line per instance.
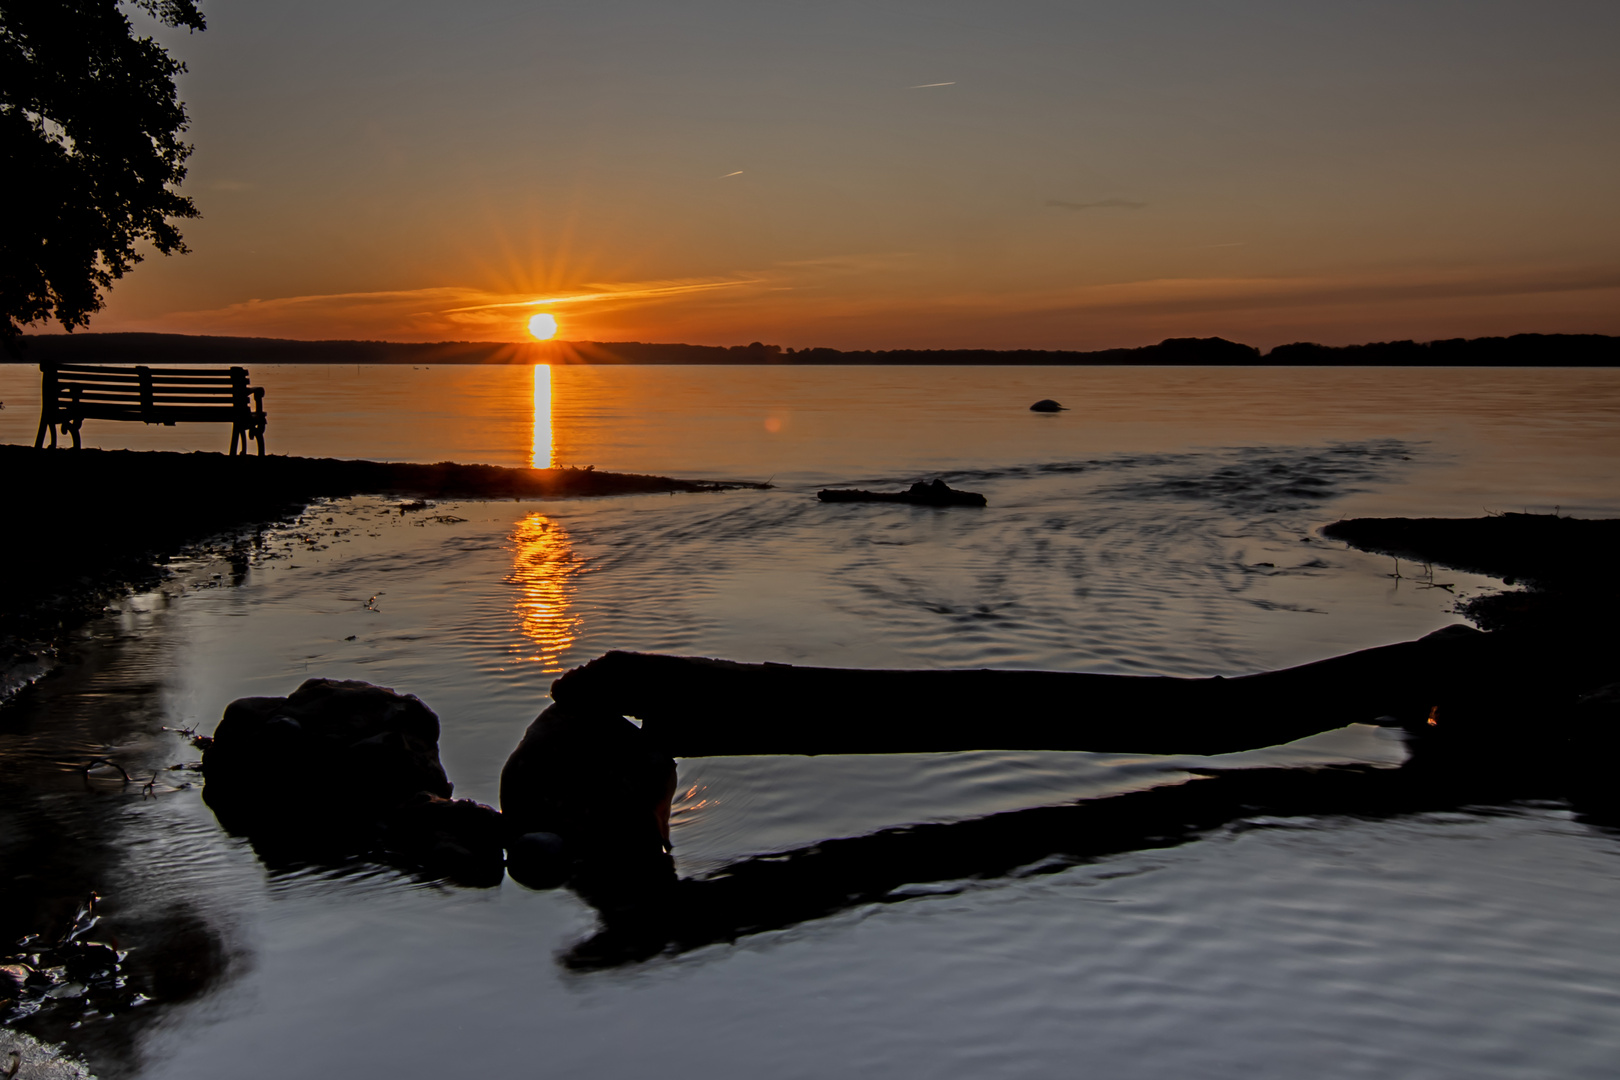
[696, 707]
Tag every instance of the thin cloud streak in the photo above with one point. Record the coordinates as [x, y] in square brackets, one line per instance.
[1102, 204]
[831, 301]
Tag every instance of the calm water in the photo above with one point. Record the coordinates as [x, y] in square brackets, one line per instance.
[1164, 525]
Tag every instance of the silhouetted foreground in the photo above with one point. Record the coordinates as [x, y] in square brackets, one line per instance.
[922, 493]
[1520, 350]
[1530, 710]
[82, 526]
[1568, 565]
[585, 798]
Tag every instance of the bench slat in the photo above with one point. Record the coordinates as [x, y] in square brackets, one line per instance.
[133, 380]
[96, 369]
[159, 415]
[160, 393]
[158, 400]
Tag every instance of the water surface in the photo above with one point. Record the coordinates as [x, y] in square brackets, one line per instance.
[1165, 525]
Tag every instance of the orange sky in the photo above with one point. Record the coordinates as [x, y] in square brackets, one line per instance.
[1091, 175]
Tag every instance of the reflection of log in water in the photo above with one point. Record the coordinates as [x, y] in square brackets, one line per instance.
[772, 892]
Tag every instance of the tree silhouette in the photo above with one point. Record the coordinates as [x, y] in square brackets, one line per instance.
[90, 126]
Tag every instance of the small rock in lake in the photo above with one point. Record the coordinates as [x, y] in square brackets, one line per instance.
[922, 493]
[1047, 405]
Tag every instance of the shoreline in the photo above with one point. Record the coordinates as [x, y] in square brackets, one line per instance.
[1530, 350]
[89, 526]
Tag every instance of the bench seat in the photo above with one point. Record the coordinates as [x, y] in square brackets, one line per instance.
[73, 393]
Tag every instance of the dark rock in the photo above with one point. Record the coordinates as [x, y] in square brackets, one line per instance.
[1047, 405]
[324, 767]
[922, 493]
[540, 860]
[462, 840]
[591, 779]
[13, 977]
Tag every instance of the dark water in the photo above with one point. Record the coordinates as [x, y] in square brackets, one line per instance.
[1139, 533]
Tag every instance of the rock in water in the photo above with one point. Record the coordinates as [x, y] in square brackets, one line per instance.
[461, 839]
[586, 786]
[922, 493]
[384, 745]
[1047, 405]
[340, 766]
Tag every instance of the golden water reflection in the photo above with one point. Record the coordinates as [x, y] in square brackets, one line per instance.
[545, 569]
[541, 456]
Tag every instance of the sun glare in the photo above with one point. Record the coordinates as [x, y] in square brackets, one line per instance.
[543, 326]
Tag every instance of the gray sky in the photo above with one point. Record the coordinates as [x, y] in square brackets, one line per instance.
[1090, 174]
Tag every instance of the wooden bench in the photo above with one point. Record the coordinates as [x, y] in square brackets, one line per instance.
[74, 393]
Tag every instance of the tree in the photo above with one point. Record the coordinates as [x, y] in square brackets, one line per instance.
[90, 152]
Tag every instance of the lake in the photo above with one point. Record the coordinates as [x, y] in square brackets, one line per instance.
[1166, 524]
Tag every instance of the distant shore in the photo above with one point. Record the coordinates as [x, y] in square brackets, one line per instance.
[1519, 350]
[86, 526]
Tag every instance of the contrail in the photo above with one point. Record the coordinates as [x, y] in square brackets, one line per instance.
[737, 173]
[926, 85]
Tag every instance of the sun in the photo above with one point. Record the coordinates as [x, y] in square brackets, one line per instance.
[543, 326]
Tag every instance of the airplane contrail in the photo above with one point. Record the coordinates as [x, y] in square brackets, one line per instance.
[926, 85]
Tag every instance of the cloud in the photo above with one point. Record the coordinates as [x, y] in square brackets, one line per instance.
[900, 299]
[1102, 204]
[431, 314]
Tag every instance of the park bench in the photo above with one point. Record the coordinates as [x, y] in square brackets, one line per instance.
[73, 393]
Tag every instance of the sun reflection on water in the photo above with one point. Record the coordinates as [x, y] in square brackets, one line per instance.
[540, 458]
[545, 569]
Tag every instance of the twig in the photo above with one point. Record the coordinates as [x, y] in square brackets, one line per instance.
[128, 779]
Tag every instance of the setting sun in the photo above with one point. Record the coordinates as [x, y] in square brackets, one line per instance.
[543, 326]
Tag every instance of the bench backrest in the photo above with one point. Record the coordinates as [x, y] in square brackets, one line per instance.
[143, 391]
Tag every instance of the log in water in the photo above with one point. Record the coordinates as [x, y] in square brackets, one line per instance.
[697, 707]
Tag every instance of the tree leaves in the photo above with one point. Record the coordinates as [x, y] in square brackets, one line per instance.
[90, 143]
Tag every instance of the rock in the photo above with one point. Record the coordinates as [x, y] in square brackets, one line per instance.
[540, 860]
[1047, 405]
[12, 979]
[922, 493]
[323, 767]
[590, 779]
[461, 839]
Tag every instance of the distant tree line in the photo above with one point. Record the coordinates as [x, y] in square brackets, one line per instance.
[1520, 350]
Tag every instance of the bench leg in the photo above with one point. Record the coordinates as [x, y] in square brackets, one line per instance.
[258, 437]
[39, 436]
[74, 427]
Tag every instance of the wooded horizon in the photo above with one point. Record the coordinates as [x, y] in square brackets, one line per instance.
[1518, 350]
